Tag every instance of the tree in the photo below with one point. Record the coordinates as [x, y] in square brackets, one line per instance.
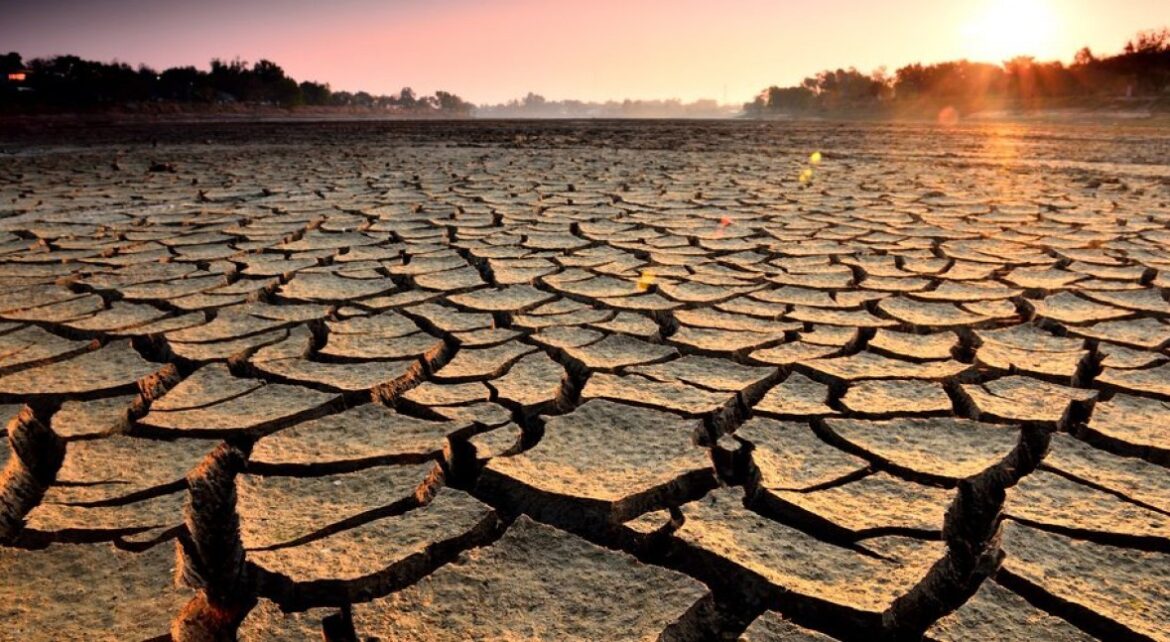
[883, 83]
[10, 62]
[230, 80]
[1142, 69]
[1153, 41]
[363, 99]
[451, 104]
[315, 93]
[788, 99]
[407, 98]
[184, 84]
[71, 82]
[268, 72]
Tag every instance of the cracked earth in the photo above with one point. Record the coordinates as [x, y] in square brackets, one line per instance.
[584, 381]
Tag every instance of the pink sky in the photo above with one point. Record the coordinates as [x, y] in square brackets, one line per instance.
[492, 50]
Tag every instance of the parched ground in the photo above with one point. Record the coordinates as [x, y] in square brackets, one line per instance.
[584, 381]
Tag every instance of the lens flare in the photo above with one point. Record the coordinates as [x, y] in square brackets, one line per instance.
[645, 281]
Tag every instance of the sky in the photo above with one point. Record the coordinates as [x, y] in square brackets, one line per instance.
[489, 51]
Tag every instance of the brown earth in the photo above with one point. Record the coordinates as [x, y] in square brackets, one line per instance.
[584, 380]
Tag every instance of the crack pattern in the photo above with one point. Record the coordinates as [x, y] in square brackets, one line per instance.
[456, 380]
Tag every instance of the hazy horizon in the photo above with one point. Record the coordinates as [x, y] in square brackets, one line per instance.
[491, 52]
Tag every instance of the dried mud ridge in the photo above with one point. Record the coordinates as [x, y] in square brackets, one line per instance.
[584, 381]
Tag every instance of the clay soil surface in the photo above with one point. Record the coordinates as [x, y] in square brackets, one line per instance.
[570, 380]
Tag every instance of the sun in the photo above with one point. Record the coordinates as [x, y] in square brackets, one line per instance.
[999, 30]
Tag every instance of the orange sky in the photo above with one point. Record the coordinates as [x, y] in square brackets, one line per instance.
[492, 50]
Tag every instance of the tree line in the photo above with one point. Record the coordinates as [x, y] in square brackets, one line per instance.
[70, 82]
[1140, 71]
[536, 106]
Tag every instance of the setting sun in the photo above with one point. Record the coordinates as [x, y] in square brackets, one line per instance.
[1002, 29]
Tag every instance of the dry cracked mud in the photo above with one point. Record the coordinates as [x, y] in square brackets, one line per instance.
[584, 381]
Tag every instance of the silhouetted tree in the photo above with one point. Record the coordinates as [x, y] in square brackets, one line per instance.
[11, 62]
[1141, 70]
[786, 99]
[315, 93]
[407, 98]
[67, 82]
[363, 99]
[451, 104]
[1153, 41]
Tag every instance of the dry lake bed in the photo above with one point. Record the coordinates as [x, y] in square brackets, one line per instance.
[584, 381]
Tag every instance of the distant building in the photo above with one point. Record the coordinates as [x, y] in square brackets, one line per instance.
[18, 76]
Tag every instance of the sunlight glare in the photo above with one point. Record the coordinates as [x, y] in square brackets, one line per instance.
[999, 30]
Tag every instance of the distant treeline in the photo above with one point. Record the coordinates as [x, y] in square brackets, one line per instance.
[1140, 71]
[536, 106]
[70, 83]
